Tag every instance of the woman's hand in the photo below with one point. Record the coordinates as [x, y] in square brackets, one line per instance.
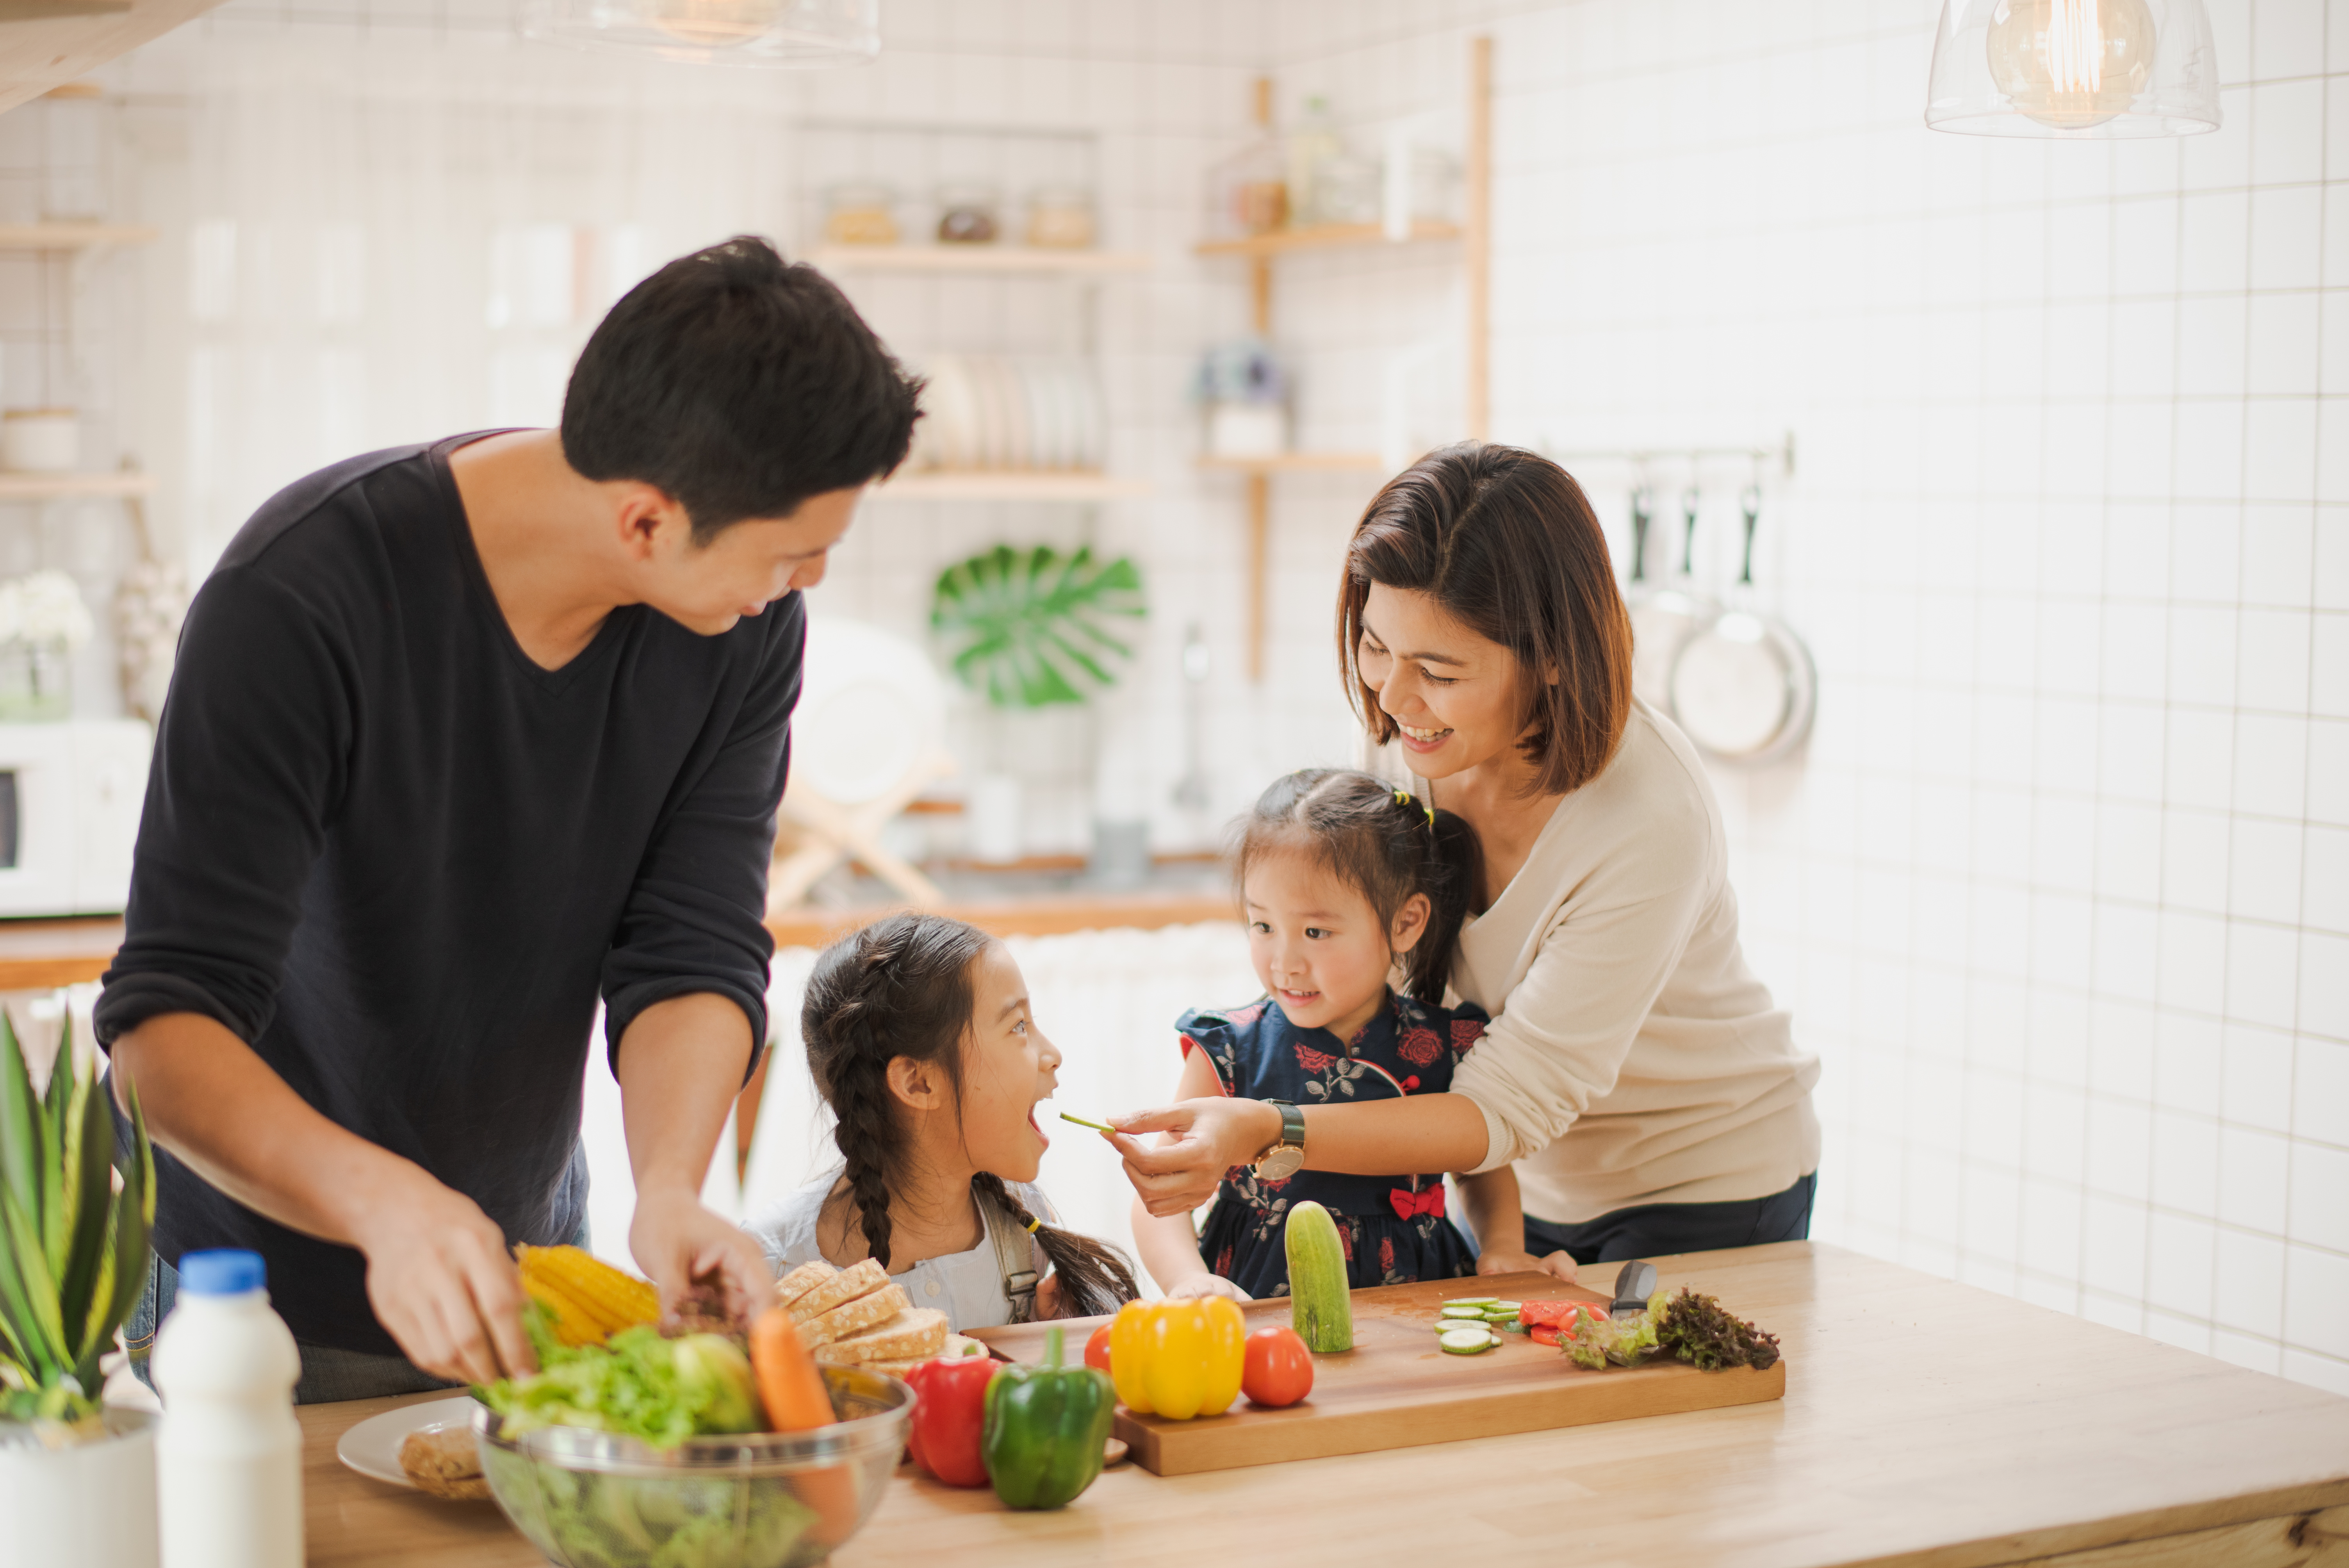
[1205, 1138]
[1202, 1285]
[1504, 1262]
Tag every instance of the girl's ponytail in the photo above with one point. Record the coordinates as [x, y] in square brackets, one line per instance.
[1449, 875]
[1094, 1278]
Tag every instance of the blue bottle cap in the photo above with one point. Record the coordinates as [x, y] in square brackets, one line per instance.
[225, 1271]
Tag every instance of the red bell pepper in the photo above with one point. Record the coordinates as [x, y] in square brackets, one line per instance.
[952, 1413]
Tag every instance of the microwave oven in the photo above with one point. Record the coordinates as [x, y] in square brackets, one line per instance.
[70, 796]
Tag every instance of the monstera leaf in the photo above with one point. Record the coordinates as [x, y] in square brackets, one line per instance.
[1031, 629]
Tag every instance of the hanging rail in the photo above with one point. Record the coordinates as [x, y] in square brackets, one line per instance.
[1781, 454]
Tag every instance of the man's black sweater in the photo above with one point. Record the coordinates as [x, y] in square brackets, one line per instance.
[401, 860]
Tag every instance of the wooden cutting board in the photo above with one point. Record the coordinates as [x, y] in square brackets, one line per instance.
[1396, 1389]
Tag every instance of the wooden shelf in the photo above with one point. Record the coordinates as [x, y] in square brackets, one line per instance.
[1009, 484]
[968, 259]
[1052, 915]
[73, 236]
[1322, 237]
[1300, 463]
[60, 487]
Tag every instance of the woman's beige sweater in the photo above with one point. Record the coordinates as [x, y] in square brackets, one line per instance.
[1634, 1058]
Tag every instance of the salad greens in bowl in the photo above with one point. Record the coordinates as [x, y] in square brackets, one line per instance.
[632, 1495]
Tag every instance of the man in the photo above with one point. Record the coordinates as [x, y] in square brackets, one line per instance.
[459, 736]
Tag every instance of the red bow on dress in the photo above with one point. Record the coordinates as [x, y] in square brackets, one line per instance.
[1407, 1204]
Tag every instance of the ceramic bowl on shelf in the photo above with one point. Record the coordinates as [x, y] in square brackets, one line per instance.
[40, 440]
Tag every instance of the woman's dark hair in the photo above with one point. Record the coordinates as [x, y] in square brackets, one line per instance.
[1381, 841]
[901, 987]
[1505, 543]
[740, 385]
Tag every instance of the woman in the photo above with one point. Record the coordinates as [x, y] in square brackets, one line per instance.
[1636, 1072]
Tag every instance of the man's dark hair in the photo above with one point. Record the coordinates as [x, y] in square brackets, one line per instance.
[741, 386]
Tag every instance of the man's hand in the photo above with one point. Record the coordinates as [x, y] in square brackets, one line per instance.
[441, 1282]
[1205, 1137]
[1504, 1261]
[676, 1242]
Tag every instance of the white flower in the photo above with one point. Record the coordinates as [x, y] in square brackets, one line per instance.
[45, 607]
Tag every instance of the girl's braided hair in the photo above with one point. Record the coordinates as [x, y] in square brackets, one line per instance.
[1381, 841]
[901, 987]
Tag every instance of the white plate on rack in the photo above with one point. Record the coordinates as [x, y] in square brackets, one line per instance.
[372, 1446]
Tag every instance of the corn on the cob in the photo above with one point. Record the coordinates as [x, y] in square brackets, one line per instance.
[588, 1297]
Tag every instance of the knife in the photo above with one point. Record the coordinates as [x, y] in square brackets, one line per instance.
[1634, 1284]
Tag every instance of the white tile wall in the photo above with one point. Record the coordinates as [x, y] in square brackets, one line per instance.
[2058, 888]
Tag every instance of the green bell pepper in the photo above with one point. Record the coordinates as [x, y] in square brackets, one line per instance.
[1045, 1429]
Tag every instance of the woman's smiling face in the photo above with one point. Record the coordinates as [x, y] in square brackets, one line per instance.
[1454, 693]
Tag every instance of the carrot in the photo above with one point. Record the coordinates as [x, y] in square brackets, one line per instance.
[789, 1383]
[792, 1387]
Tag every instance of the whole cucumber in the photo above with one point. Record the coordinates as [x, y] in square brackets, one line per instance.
[1320, 1307]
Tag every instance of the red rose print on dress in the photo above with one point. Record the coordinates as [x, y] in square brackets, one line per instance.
[1386, 1255]
[1419, 1047]
[1241, 1017]
[1465, 1033]
[1314, 1061]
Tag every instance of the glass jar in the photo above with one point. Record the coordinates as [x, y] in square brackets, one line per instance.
[862, 212]
[1060, 218]
[968, 214]
[36, 681]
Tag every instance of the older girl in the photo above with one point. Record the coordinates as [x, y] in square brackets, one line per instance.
[921, 1040]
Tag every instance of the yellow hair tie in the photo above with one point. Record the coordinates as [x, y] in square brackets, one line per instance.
[1035, 1225]
[1404, 798]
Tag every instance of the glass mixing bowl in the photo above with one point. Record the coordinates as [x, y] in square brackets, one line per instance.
[758, 1499]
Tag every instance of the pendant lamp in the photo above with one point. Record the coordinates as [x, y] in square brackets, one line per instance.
[2073, 70]
[784, 33]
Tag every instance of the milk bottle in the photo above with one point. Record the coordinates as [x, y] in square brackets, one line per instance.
[228, 1454]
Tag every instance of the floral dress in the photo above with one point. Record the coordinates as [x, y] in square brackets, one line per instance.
[1393, 1228]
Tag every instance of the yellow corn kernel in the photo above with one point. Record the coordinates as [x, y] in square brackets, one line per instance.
[572, 1323]
[611, 1299]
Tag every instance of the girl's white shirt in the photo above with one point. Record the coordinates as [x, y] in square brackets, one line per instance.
[969, 1287]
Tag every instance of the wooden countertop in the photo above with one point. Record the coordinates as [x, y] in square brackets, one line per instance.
[1925, 1423]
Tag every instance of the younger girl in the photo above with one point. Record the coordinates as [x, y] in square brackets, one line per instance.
[919, 1036]
[1341, 880]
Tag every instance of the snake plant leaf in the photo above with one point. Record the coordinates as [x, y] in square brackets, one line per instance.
[44, 1330]
[90, 1176]
[134, 1224]
[1032, 628]
[22, 1124]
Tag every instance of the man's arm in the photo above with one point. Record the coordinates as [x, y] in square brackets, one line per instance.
[681, 1065]
[437, 1275]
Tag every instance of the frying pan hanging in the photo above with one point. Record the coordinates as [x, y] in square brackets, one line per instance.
[1743, 686]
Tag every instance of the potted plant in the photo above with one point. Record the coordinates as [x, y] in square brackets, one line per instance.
[1035, 632]
[77, 1479]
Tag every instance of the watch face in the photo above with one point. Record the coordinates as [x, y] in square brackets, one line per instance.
[1280, 1163]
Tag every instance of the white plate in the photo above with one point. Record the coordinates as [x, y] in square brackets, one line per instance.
[372, 1448]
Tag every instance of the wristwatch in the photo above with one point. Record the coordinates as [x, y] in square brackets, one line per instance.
[1286, 1157]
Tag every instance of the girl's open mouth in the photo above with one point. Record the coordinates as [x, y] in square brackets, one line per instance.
[1036, 1128]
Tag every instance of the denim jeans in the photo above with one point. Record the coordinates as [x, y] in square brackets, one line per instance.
[328, 1373]
[1654, 1229]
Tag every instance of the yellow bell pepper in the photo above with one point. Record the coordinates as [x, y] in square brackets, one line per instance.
[1178, 1359]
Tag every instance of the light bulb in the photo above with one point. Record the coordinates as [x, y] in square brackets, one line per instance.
[2071, 64]
[712, 23]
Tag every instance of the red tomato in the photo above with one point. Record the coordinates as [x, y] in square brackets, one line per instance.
[1097, 1348]
[1279, 1369]
[1542, 1333]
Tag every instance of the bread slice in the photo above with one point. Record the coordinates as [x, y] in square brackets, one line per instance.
[916, 1334]
[845, 1286]
[896, 1368]
[802, 1280]
[963, 1345]
[443, 1461]
[855, 1317]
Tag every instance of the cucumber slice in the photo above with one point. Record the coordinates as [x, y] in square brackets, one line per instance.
[1471, 1300]
[1504, 1306]
[1467, 1341]
[1455, 1309]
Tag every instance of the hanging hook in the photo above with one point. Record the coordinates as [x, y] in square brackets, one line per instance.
[1751, 504]
[1643, 512]
[1691, 499]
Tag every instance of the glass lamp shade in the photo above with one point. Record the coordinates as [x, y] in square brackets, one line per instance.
[2074, 69]
[715, 32]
